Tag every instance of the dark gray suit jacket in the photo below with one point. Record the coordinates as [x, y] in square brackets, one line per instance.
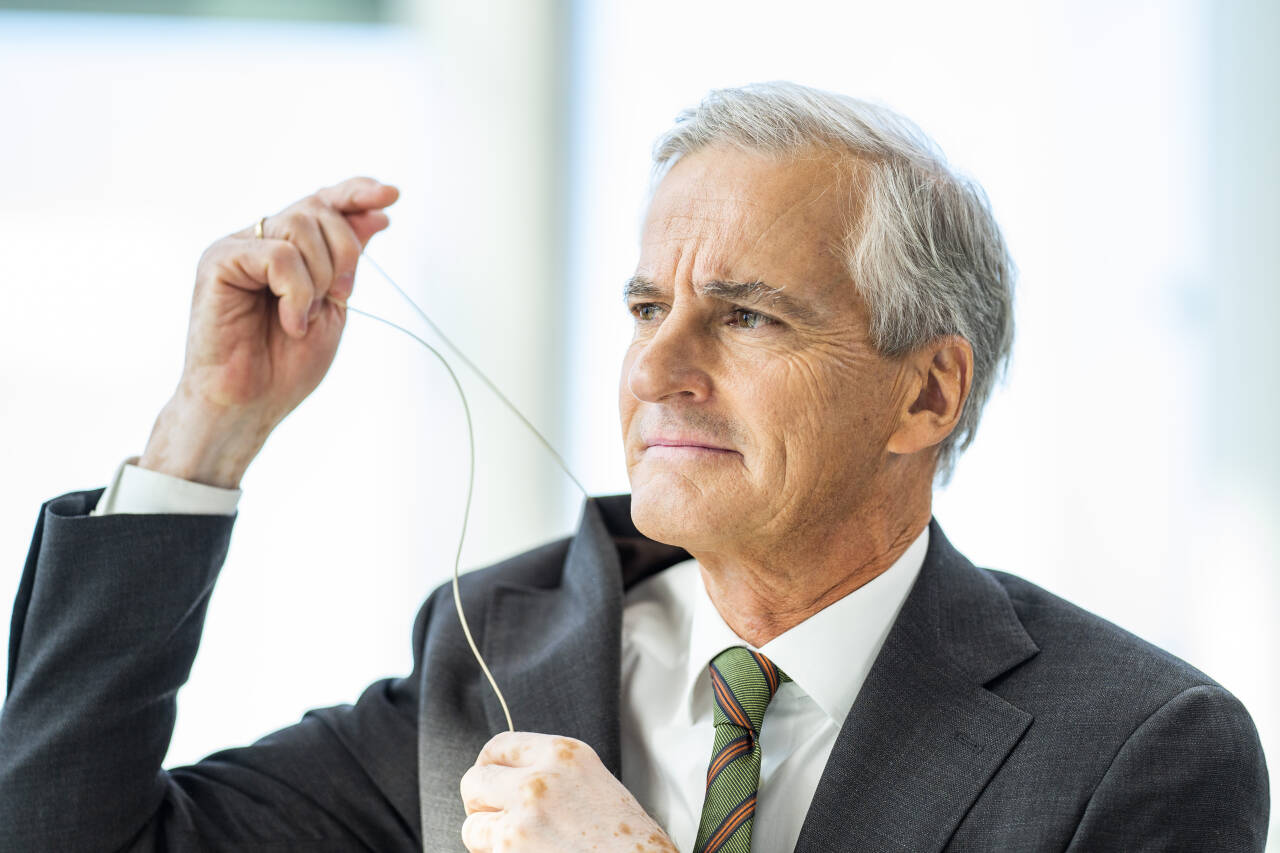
[996, 717]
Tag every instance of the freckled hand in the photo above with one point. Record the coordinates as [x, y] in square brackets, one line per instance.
[536, 792]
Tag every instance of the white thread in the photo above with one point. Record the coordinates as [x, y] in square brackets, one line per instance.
[564, 466]
[471, 454]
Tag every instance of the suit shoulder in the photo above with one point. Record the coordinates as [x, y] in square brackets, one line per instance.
[1127, 746]
[1094, 655]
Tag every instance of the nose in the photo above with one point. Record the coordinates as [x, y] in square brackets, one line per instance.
[670, 363]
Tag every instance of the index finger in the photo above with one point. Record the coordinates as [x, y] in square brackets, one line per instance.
[358, 194]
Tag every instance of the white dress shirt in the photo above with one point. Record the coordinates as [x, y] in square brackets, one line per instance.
[670, 633]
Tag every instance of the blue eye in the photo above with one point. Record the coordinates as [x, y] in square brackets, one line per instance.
[750, 319]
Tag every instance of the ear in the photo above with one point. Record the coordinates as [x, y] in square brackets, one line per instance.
[938, 377]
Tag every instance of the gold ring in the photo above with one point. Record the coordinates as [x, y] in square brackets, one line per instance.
[257, 229]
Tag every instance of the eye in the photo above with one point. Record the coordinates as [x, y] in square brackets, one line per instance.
[645, 312]
[749, 319]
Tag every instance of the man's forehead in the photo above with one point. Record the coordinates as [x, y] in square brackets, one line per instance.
[733, 196]
[725, 215]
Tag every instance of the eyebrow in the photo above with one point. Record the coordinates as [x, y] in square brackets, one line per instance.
[750, 292]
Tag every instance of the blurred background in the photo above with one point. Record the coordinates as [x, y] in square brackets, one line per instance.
[1128, 463]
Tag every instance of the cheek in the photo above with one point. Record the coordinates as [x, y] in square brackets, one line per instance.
[780, 405]
[825, 413]
[803, 397]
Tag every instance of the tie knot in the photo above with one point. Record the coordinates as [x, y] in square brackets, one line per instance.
[743, 682]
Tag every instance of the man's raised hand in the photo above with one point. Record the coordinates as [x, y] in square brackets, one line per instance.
[266, 318]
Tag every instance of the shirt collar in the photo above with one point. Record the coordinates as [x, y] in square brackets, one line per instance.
[827, 655]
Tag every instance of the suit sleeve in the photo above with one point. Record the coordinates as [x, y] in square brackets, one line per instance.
[105, 628]
[1192, 777]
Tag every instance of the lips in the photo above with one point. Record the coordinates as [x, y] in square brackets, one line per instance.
[683, 443]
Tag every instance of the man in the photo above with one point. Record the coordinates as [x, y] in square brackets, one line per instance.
[769, 645]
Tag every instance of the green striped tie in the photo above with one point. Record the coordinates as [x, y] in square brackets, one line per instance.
[743, 682]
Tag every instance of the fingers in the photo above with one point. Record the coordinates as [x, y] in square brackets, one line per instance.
[490, 793]
[278, 265]
[344, 252]
[308, 252]
[331, 229]
[531, 791]
[355, 195]
[486, 789]
[285, 273]
[367, 223]
[511, 749]
[302, 228]
[479, 831]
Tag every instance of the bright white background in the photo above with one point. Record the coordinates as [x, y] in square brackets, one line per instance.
[1128, 148]
[130, 144]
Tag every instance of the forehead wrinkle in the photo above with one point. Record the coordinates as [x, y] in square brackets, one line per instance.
[698, 225]
[831, 241]
[808, 201]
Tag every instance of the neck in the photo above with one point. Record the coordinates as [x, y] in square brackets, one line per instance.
[766, 592]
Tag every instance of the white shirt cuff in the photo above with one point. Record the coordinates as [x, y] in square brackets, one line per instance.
[143, 491]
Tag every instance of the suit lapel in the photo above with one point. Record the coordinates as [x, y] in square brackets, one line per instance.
[555, 652]
[924, 736]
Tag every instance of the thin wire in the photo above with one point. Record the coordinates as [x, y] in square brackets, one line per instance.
[466, 507]
[564, 466]
[471, 454]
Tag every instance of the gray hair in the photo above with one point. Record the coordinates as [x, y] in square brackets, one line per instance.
[925, 252]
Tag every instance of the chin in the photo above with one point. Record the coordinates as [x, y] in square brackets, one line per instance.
[675, 511]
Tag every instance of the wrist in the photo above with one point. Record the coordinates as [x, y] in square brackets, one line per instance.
[202, 443]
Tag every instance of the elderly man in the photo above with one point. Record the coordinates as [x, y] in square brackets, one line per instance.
[770, 645]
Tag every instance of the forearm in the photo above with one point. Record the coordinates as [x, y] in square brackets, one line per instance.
[203, 443]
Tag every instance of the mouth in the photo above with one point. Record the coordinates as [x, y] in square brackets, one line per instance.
[684, 448]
